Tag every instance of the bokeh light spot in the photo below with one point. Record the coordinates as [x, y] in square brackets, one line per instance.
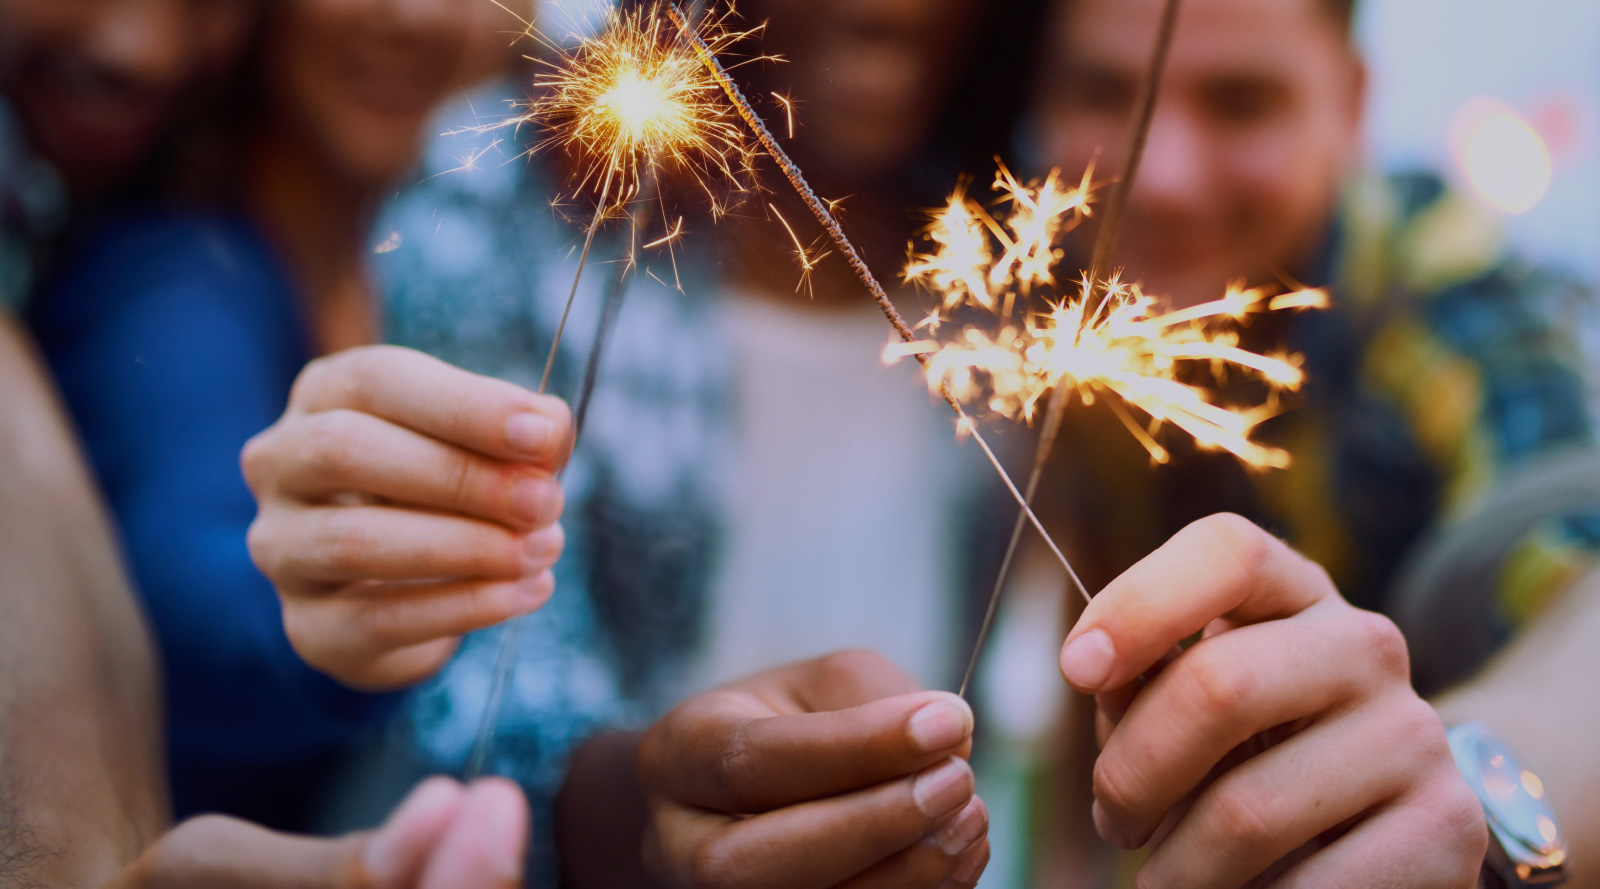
[1502, 157]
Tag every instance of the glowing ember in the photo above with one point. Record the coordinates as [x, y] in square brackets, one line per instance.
[1102, 340]
[632, 99]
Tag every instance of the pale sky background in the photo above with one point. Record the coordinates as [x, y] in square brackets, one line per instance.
[1541, 57]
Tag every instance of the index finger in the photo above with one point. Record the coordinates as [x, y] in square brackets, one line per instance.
[492, 417]
[1222, 567]
[721, 752]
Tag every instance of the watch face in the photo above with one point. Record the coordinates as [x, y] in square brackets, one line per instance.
[1523, 824]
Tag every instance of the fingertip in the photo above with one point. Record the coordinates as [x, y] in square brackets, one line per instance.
[972, 867]
[1088, 661]
[398, 849]
[944, 788]
[943, 723]
[530, 435]
[1111, 831]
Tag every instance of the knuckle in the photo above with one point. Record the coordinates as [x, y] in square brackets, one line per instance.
[332, 444]
[1241, 818]
[733, 768]
[258, 539]
[1213, 686]
[1249, 545]
[1381, 641]
[342, 546]
[716, 864]
[253, 461]
[461, 486]
[1462, 818]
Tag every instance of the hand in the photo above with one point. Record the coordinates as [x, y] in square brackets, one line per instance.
[1284, 748]
[812, 776]
[443, 836]
[404, 503]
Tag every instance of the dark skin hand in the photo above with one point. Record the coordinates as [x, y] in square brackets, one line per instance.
[835, 773]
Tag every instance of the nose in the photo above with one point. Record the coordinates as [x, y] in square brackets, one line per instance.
[145, 43]
[1172, 174]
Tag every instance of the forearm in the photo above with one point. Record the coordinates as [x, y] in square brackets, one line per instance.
[601, 816]
[81, 780]
[1539, 698]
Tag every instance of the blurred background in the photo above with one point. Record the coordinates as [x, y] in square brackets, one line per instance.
[1506, 97]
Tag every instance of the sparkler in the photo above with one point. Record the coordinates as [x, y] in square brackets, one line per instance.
[630, 104]
[1107, 340]
[1149, 91]
[708, 56]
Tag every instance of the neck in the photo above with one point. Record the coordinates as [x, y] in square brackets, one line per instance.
[320, 219]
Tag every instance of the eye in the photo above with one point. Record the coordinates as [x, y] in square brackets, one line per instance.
[1246, 101]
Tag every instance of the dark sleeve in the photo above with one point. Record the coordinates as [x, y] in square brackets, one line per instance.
[173, 346]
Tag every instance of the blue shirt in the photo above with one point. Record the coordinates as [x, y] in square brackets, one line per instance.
[174, 339]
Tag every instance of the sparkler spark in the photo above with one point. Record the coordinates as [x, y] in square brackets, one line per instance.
[1108, 340]
[633, 99]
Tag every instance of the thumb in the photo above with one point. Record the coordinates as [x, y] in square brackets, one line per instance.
[215, 852]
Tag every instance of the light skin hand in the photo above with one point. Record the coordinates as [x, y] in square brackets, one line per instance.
[404, 503]
[444, 836]
[1286, 748]
[830, 773]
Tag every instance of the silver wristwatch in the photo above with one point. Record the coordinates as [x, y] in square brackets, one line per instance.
[1526, 847]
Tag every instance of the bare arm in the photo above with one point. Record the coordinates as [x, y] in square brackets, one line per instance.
[1539, 698]
[81, 778]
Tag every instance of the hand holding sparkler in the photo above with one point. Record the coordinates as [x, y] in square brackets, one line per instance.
[835, 773]
[403, 503]
[1287, 742]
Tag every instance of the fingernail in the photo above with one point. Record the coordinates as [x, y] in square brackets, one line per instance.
[940, 725]
[531, 499]
[530, 434]
[942, 789]
[959, 835]
[533, 593]
[972, 868]
[1086, 662]
[541, 549]
[1110, 830]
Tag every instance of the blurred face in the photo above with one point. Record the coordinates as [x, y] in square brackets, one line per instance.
[1258, 121]
[95, 82]
[869, 76]
[358, 79]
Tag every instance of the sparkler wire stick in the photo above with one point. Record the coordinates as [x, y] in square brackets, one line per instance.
[511, 636]
[830, 224]
[1104, 246]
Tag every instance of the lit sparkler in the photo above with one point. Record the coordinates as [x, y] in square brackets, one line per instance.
[628, 104]
[1105, 340]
